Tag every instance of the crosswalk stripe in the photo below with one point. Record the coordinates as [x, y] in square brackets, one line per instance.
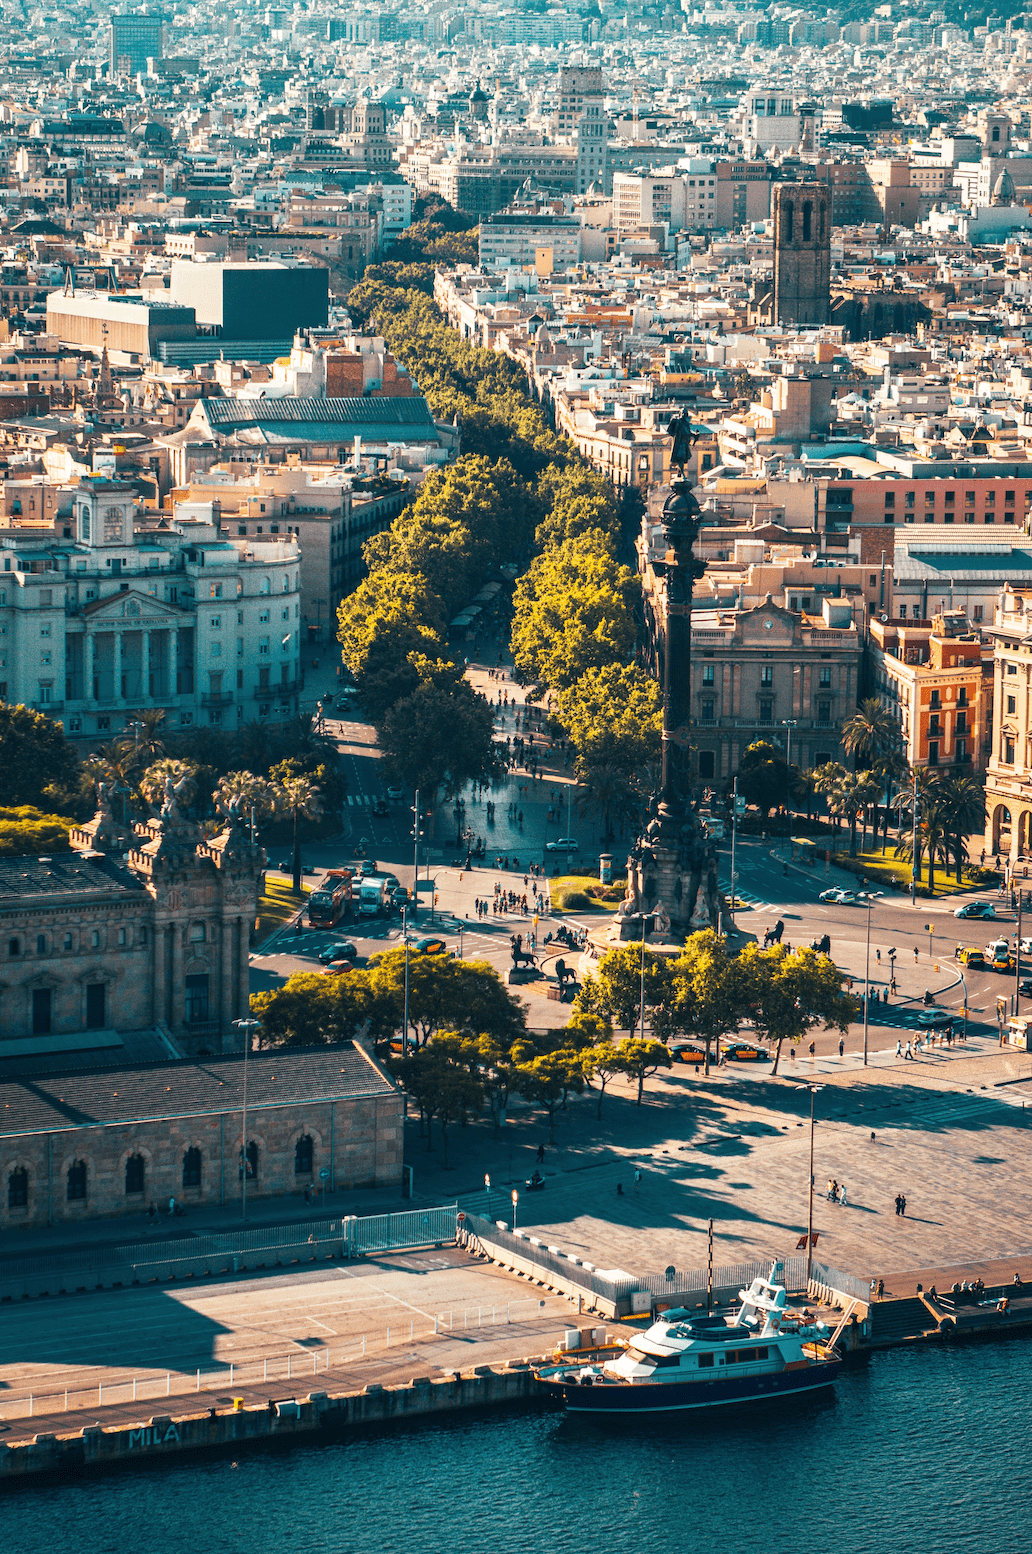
[359, 798]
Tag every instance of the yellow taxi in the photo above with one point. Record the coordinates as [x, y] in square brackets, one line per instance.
[687, 1052]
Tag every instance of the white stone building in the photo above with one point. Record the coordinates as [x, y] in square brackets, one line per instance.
[96, 627]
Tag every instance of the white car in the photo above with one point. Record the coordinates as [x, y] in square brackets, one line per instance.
[838, 897]
[565, 844]
[395, 793]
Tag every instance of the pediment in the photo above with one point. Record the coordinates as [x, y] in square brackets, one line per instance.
[130, 607]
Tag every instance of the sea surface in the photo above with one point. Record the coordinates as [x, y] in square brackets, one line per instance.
[918, 1451]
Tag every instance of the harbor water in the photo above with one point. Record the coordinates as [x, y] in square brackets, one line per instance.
[914, 1449]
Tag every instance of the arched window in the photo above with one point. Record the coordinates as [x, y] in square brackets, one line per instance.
[303, 1156]
[807, 220]
[18, 1189]
[286, 583]
[134, 1175]
[266, 586]
[77, 1181]
[192, 1168]
[787, 220]
[252, 1162]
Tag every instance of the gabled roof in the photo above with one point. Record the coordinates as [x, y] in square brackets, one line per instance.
[230, 414]
[115, 604]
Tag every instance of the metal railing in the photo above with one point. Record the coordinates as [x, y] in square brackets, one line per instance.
[841, 1283]
[531, 1251]
[374, 1232]
[733, 1276]
[298, 1364]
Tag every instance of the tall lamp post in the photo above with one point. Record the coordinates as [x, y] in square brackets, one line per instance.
[790, 724]
[813, 1089]
[869, 900]
[247, 1026]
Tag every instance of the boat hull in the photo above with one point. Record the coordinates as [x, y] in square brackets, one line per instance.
[676, 1397]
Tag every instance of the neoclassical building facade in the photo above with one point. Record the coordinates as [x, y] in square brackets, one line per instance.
[128, 933]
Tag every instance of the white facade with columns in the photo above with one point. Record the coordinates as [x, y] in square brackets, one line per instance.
[97, 627]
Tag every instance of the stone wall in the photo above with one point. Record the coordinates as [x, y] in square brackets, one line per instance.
[359, 1142]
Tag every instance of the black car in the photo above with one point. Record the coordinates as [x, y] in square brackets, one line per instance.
[343, 951]
[381, 807]
[1025, 987]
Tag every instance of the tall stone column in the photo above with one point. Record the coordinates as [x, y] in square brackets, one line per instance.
[178, 989]
[145, 663]
[672, 872]
[87, 665]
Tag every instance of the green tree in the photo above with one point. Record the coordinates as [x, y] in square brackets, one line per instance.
[440, 1087]
[36, 760]
[963, 804]
[614, 717]
[437, 742]
[869, 733]
[310, 1009]
[181, 774]
[545, 1079]
[615, 991]
[638, 1058]
[789, 992]
[763, 776]
[605, 1062]
[384, 598]
[465, 996]
[299, 798]
[244, 793]
[706, 993]
[573, 611]
[24, 829]
[607, 791]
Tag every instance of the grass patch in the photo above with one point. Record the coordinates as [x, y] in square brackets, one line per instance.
[895, 873]
[586, 887]
[276, 907]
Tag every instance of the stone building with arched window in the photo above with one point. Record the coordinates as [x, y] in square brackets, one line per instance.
[148, 932]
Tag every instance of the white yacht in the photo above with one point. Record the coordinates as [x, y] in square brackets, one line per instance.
[690, 1360]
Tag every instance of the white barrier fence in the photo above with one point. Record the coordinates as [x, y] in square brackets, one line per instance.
[299, 1364]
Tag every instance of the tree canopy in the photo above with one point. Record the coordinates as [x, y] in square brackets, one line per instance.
[573, 611]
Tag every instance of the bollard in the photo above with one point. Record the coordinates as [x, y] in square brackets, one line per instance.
[30, 1405]
[134, 1389]
[231, 1372]
[100, 1394]
[66, 1400]
[288, 1367]
[168, 1384]
[265, 1373]
[198, 1387]
[435, 1324]
[388, 1338]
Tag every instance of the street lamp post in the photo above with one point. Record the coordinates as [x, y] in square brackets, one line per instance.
[813, 1089]
[734, 831]
[515, 1208]
[867, 969]
[404, 930]
[914, 874]
[790, 724]
[487, 1189]
[247, 1026]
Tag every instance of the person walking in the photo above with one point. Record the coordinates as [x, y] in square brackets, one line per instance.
[842, 1198]
[841, 1047]
[903, 1205]
[541, 1154]
[637, 1179]
[899, 1209]
[899, 1048]
[813, 1050]
[909, 1053]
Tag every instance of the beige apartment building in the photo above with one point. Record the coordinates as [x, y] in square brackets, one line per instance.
[1008, 783]
[931, 676]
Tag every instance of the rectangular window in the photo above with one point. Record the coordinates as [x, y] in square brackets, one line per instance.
[976, 612]
[214, 590]
[96, 1000]
[825, 675]
[933, 752]
[197, 998]
[707, 709]
[1008, 751]
[767, 674]
[41, 1011]
[263, 647]
[216, 623]
[1012, 704]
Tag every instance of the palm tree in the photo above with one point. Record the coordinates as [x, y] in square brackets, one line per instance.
[825, 782]
[299, 797]
[933, 824]
[963, 802]
[804, 787]
[152, 783]
[870, 732]
[245, 794]
[851, 796]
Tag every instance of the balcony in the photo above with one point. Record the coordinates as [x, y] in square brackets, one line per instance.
[271, 692]
[216, 699]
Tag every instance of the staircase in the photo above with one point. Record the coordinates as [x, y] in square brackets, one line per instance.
[892, 1320]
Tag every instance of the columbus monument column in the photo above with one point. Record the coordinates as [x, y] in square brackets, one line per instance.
[672, 871]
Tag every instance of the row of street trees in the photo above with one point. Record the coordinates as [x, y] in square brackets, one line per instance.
[517, 488]
[467, 1046]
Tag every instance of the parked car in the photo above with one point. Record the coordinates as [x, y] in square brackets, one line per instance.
[287, 867]
[686, 1052]
[935, 1018]
[395, 793]
[976, 909]
[744, 1052]
[565, 844]
[345, 951]
[381, 807]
